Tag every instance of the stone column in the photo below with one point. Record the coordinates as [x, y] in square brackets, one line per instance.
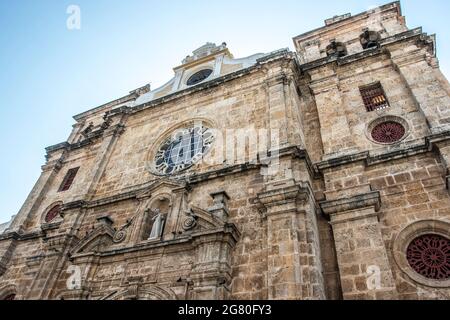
[7, 247]
[285, 208]
[420, 72]
[109, 140]
[211, 272]
[362, 258]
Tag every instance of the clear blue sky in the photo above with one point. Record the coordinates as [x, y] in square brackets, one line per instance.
[48, 73]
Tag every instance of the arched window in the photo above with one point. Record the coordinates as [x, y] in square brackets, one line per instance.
[53, 213]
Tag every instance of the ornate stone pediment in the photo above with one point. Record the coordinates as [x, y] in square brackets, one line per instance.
[96, 241]
[160, 184]
[198, 219]
[138, 292]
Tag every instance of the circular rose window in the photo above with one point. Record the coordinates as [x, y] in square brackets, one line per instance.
[388, 132]
[429, 256]
[53, 213]
[182, 149]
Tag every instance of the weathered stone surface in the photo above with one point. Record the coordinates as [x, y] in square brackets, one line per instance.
[329, 219]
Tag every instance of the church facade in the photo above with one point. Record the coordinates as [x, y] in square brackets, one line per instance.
[316, 174]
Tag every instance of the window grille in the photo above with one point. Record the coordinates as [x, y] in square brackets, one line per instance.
[374, 97]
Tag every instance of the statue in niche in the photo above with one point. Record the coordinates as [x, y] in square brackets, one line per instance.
[157, 225]
[155, 219]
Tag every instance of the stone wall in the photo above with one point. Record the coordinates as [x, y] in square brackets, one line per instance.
[330, 219]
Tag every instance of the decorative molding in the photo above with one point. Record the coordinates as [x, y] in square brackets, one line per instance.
[370, 199]
[90, 138]
[282, 199]
[135, 289]
[122, 233]
[228, 232]
[399, 153]
[410, 34]
[73, 205]
[94, 241]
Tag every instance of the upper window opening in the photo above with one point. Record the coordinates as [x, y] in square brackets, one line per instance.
[369, 39]
[68, 179]
[336, 49]
[199, 76]
[374, 97]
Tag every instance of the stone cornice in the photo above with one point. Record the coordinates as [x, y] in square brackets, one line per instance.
[350, 19]
[417, 32]
[228, 233]
[370, 199]
[22, 236]
[277, 197]
[371, 159]
[132, 96]
[93, 136]
[190, 180]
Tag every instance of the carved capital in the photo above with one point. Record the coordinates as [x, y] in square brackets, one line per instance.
[370, 200]
[282, 200]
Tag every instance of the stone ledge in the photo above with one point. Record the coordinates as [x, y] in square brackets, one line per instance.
[282, 199]
[362, 201]
[417, 32]
[371, 159]
[10, 235]
[51, 226]
[66, 146]
[73, 205]
[227, 233]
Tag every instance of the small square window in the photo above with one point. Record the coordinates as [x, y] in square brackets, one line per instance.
[68, 179]
[374, 97]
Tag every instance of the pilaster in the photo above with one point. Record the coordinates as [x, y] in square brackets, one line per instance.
[419, 72]
[334, 126]
[362, 258]
[291, 269]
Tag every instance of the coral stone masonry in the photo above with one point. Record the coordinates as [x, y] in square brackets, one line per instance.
[316, 174]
